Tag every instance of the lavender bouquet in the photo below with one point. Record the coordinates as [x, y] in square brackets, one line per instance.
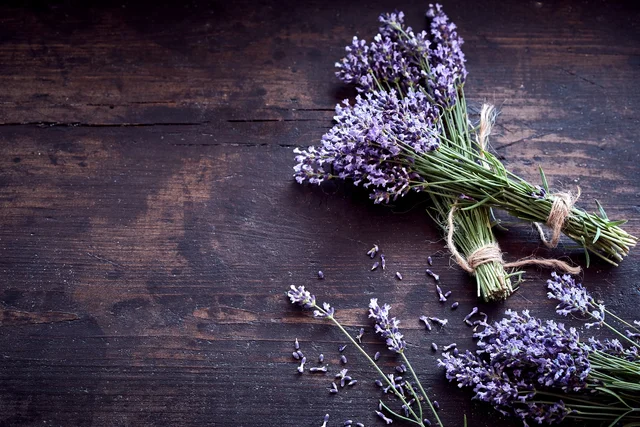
[543, 372]
[408, 392]
[409, 131]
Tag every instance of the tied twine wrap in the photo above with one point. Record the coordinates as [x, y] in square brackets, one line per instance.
[560, 211]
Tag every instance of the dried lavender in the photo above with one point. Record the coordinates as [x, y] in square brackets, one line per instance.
[541, 371]
[342, 347]
[343, 359]
[432, 274]
[383, 262]
[360, 334]
[387, 327]
[439, 321]
[320, 275]
[455, 305]
[441, 297]
[373, 251]
[326, 420]
[398, 275]
[425, 319]
[409, 131]
[375, 265]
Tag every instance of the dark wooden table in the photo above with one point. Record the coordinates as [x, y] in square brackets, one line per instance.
[150, 223]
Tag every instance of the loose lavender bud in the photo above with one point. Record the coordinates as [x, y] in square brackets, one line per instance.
[384, 418]
[426, 422]
[632, 334]
[321, 358]
[301, 367]
[348, 423]
[295, 355]
[320, 275]
[434, 346]
[300, 354]
[434, 275]
[342, 373]
[352, 383]
[456, 352]
[455, 305]
[376, 356]
[474, 310]
[341, 348]
[378, 383]
[425, 319]
[333, 389]
[447, 294]
[343, 359]
[360, 334]
[373, 251]
[439, 321]
[326, 419]
[296, 344]
[401, 368]
[449, 347]
[375, 265]
[359, 425]
[383, 262]
[436, 404]
[398, 275]
[318, 369]
[429, 260]
[441, 297]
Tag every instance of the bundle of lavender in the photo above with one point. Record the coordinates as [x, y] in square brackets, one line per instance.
[409, 131]
[543, 372]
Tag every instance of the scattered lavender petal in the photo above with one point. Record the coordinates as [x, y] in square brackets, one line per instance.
[300, 354]
[384, 418]
[341, 348]
[295, 355]
[359, 425]
[455, 305]
[296, 344]
[436, 404]
[342, 373]
[352, 383]
[360, 334]
[398, 275]
[321, 358]
[441, 297]
[343, 359]
[348, 423]
[447, 294]
[378, 383]
[320, 275]
[632, 334]
[456, 352]
[301, 367]
[326, 419]
[332, 391]
[425, 319]
[375, 265]
[318, 369]
[485, 317]
[427, 422]
[383, 262]
[474, 310]
[373, 251]
[401, 368]
[449, 347]
[376, 356]
[439, 321]
[429, 260]
[468, 322]
[434, 346]
[434, 275]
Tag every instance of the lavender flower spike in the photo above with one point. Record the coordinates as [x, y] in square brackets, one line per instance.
[384, 418]
[301, 296]
[387, 327]
[574, 298]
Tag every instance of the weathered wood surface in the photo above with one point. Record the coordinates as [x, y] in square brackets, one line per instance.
[150, 224]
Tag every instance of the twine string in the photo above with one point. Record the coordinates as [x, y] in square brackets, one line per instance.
[560, 210]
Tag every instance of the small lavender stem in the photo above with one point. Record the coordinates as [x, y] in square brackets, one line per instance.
[415, 377]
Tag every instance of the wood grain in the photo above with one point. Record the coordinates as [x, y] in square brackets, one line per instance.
[150, 225]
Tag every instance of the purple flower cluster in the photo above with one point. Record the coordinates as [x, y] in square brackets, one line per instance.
[517, 356]
[387, 327]
[393, 58]
[446, 60]
[366, 141]
[574, 298]
[398, 57]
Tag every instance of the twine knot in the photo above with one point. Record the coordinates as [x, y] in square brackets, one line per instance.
[560, 210]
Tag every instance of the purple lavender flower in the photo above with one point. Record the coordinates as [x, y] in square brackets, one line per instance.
[301, 296]
[384, 418]
[369, 143]
[574, 298]
[328, 311]
[445, 57]
[387, 327]
[517, 356]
